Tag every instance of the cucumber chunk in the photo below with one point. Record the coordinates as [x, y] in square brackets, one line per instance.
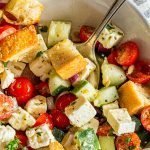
[57, 84]
[85, 89]
[112, 75]
[107, 142]
[58, 31]
[106, 95]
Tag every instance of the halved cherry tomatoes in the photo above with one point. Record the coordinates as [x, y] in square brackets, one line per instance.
[43, 88]
[127, 53]
[6, 106]
[64, 100]
[60, 119]
[145, 118]
[22, 138]
[45, 118]
[6, 30]
[128, 141]
[141, 72]
[22, 89]
[85, 32]
[104, 130]
[112, 57]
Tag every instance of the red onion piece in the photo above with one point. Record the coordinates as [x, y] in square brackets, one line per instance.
[99, 48]
[74, 78]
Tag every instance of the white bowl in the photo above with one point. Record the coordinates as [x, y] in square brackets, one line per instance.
[91, 12]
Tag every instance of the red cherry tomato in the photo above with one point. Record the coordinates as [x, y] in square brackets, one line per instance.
[112, 57]
[127, 53]
[6, 30]
[145, 118]
[128, 141]
[43, 88]
[85, 32]
[45, 118]
[22, 138]
[104, 130]
[64, 100]
[22, 89]
[6, 106]
[60, 119]
[2, 5]
[141, 72]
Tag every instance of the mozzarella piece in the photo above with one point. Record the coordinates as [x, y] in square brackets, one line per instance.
[80, 112]
[108, 107]
[120, 121]
[16, 68]
[7, 133]
[40, 136]
[41, 66]
[21, 120]
[93, 123]
[110, 36]
[7, 78]
[36, 106]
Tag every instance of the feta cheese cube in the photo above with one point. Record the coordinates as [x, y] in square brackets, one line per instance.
[41, 66]
[21, 119]
[16, 68]
[7, 133]
[36, 106]
[120, 121]
[108, 107]
[80, 112]
[40, 136]
[7, 78]
[42, 44]
[110, 36]
[93, 123]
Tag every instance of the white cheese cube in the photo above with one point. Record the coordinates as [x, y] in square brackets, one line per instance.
[110, 36]
[108, 107]
[7, 78]
[120, 121]
[21, 120]
[40, 136]
[7, 133]
[80, 112]
[16, 68]
[93, 123]
[41, 66]
[42, 44]
[86, 72]
[36, 106]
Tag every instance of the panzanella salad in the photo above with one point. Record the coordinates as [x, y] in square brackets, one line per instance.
[48, 97]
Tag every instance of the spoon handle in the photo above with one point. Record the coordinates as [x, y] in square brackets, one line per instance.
[117, 4]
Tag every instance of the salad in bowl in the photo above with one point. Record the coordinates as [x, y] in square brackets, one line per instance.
[49, 98]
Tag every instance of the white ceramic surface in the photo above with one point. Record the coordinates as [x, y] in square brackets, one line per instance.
[90, 12]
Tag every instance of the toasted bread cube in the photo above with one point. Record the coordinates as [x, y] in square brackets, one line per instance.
[18, 44]
[133, 97]
[26, 12]
[66, 60]
[55, 146]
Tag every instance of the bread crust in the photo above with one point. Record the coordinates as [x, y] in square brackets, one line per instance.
[18, 44]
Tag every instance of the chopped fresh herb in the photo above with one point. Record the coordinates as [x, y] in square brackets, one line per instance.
[43, 28]
[13, 145]
[39, 133]
[58, 134]
[128, 140]
[109, 27]
[5, 64]
[120, 33]
[132, 147]
[39, 54]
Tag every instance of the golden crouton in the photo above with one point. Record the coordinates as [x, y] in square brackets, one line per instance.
[55, 146]
[25, 12]
[133, 97]
[66, 60]
[18, 44]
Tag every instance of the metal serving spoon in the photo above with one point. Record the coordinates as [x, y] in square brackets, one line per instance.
[87, 49]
